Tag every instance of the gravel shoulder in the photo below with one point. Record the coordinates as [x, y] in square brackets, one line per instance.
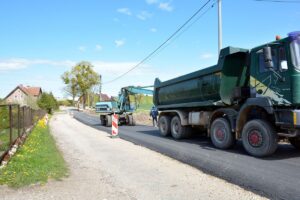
[105, 168]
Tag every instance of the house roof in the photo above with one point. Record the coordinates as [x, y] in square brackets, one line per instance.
[104, 97]
[33, 91]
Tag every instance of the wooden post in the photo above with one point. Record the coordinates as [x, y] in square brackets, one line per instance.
[10, 124]
[19, 121]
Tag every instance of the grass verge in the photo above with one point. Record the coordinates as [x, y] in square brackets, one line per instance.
[35, 162]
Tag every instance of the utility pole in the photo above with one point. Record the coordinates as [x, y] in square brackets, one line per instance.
[220, 25]
[100, 87]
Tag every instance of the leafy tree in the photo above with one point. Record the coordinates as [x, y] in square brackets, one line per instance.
[81, 79]
[48, 102]
[72, 87]
[4, 118]
[65, 102]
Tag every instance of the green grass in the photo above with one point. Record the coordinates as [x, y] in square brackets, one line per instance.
[5, 140]
[35, 162]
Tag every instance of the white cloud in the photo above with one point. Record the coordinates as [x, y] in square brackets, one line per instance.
[13, 64]
[151, 1]
[166, 6]
[21, 63]
[124, 11]
[206, 56]
[82, 48]
[144, 15]
[119, 43]
[99, 47]
[143, 75]
[153, 30]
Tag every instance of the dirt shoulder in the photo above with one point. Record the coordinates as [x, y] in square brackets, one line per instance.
[105, 168]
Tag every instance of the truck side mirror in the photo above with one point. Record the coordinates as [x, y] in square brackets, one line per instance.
[268, 57]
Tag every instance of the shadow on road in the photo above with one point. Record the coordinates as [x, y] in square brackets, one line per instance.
[284, 151]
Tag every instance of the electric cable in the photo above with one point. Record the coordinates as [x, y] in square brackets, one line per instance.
[161, 45]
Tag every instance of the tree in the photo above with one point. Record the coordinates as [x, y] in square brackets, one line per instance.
[72, 87]
[81, 79]
[48, 102]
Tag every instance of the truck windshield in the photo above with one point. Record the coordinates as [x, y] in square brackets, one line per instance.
[295, 50]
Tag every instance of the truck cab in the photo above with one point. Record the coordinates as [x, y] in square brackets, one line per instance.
[275, 74]
[106, 107]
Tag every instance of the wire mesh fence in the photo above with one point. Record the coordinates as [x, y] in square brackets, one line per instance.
[14, 122]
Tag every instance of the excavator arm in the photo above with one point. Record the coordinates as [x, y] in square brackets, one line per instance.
[124, 100]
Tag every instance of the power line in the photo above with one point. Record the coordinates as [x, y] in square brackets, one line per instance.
[160, 46]
[183, 30]
[279, 1]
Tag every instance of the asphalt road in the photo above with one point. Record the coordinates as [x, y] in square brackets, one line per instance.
[276, 177]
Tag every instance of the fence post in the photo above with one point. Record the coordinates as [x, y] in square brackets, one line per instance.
[10, 124]
[23, 109]
[31, 116]
[19, 120]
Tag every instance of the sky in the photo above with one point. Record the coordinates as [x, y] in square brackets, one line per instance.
[41, 39]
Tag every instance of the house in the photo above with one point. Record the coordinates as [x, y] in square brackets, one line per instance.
[24, 95]
[104, 97]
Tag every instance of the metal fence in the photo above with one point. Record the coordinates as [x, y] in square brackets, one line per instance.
[14, 122]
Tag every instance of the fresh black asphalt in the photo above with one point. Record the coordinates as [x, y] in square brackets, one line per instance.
[276, 177]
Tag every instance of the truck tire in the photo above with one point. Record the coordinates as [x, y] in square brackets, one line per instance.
[295, 142]
[108, 120]
[259, 138]
[131, 121]
[221, 135]
[164, 125]
[102, 120]
[177, 130]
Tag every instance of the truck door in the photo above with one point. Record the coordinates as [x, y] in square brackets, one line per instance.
[275, 83]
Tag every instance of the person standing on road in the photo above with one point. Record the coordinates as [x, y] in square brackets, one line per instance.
[154, 114]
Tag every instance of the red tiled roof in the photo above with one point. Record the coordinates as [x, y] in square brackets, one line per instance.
[34, 91]
[104, 97]
[24, 89]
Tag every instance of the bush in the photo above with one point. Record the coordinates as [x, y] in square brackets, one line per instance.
[48, 102]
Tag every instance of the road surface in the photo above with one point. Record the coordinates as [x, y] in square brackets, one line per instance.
[276, 177]
[104, 168]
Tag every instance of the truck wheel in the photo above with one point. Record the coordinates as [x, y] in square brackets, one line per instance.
[108, 120]
[102, 120]
[131, 121]
[259, 138]
[221, 135]
[295, 142]
[177, 130]
[164, 124]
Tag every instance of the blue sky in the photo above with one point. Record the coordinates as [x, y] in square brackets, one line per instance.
[40, 39]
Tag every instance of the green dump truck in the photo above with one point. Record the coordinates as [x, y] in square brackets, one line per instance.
[251, 95]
